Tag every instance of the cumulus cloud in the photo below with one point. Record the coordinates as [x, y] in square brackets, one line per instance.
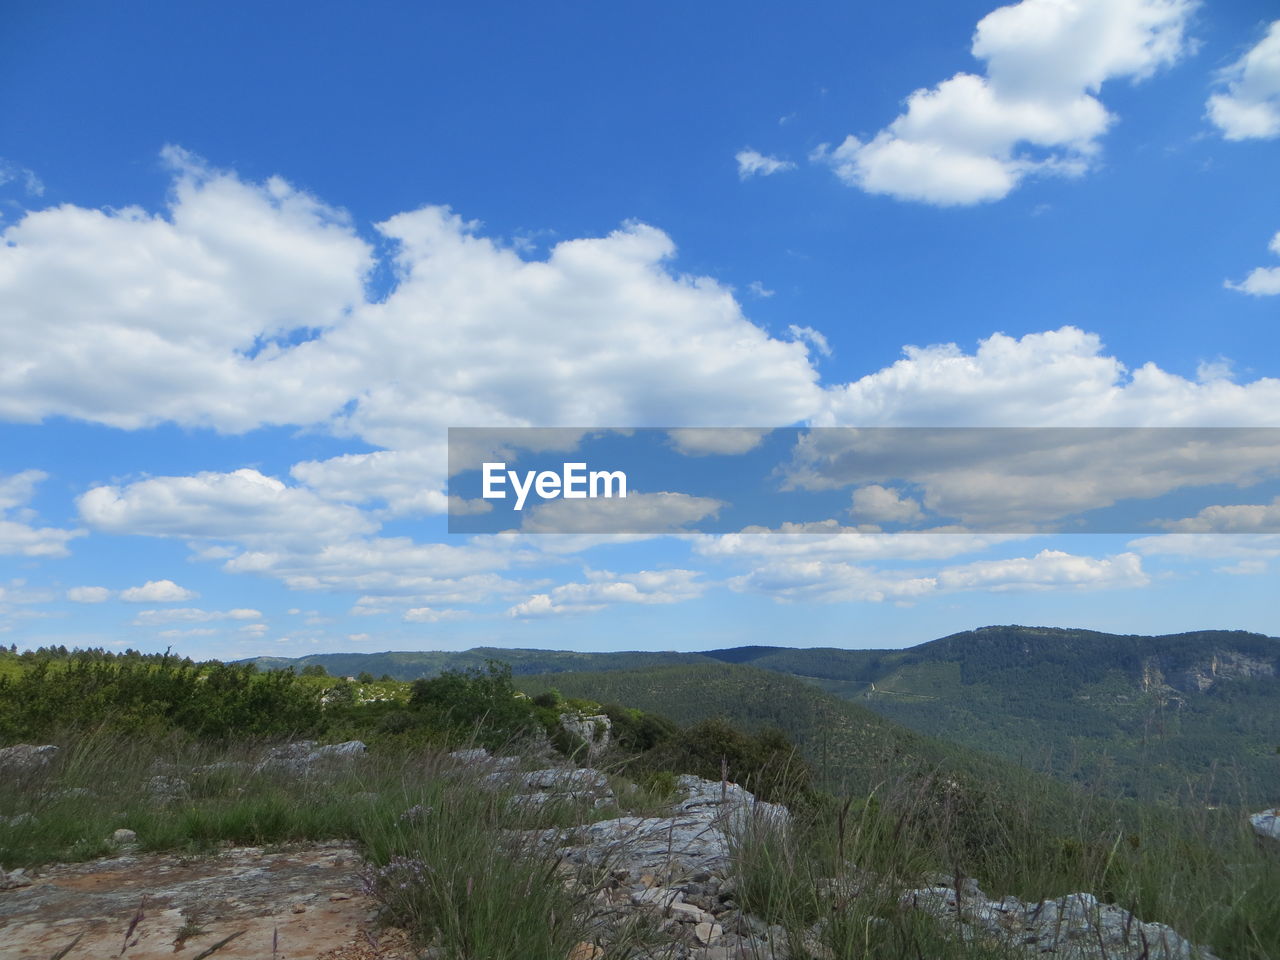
[814, 338]
[1047, 570]
[18, 536]
[1028, 480]
[127, 318]
[244, 506]
[1234, 518]
[157, 591]
[796, 579]
[1249, 106]
[603, 589]
[752, 163]
[1057, 378]
[877, 504]
[88, 594]
[974, 138]
[637, 513]
[1263, 281]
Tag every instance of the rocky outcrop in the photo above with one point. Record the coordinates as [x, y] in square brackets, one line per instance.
[301, 903]
[1227, 665]
[1267, 823]
[595, 731]
[302, 758]
[1074, 927]
[25, 758]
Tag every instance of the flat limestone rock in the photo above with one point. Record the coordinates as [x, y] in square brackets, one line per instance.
[309, 901]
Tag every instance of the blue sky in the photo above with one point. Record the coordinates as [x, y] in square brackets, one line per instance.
[258, 261]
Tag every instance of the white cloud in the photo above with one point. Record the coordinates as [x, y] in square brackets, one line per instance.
[431, 615]
[877, 504]
[973, 139]
[392, 565]
[841, 544]
[1263, 281]
[812, 337]
[157, 591]
[18, 536]
[1047, 570]
[603, 589]
[752, 163]
[151, 618]
[129, 319]
[243, 506]
[1236, 518]
[1202, 546]
[1056, 378]
[88, 594]
[1249, 109]
[31, 183]
[826, 581]
[1026, 480]
[637, 513]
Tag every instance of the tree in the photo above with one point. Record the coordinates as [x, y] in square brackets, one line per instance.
[314, 670]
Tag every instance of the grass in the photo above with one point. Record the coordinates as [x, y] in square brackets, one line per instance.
[1200, 871]
[457, 866]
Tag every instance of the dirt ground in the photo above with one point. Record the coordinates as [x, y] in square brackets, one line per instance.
[304, 903]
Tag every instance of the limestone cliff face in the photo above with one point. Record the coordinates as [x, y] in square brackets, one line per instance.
[1223, 665]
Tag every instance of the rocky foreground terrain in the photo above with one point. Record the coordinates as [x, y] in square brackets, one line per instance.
[672, 875]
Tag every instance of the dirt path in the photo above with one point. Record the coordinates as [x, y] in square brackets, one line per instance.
[297, 904]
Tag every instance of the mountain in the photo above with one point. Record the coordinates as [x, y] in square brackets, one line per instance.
[849, 747]
[1192, 714]
[412, 664]
[1192, 717]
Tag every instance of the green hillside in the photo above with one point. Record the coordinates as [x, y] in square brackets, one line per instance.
[1195, 715]
[850, 747]
[412, 664]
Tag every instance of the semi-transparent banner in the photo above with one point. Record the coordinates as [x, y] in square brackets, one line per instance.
[871, 480]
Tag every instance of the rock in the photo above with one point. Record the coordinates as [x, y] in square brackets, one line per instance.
[349, 748]
[165, 788]
[298, 759]
[18, 820]
[1267, 823]
[585, 951]
[225, 766]
[23, 758]
[728, 805]
[124, 835]
[708, 933]
[475, 755]
[596, 731]
[14, 879]
[1074, 927]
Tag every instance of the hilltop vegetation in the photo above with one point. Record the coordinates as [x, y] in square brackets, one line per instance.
[1194, 716]
[413, 664]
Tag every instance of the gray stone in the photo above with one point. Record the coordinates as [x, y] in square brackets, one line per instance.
[595, 731]
[1074, 927]
[1267, 823]
[166, 788]
[124, 835]
[25, 758]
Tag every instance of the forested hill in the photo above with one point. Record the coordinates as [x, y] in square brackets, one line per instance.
[1147, 715]
[412, 664]
[848, 746]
